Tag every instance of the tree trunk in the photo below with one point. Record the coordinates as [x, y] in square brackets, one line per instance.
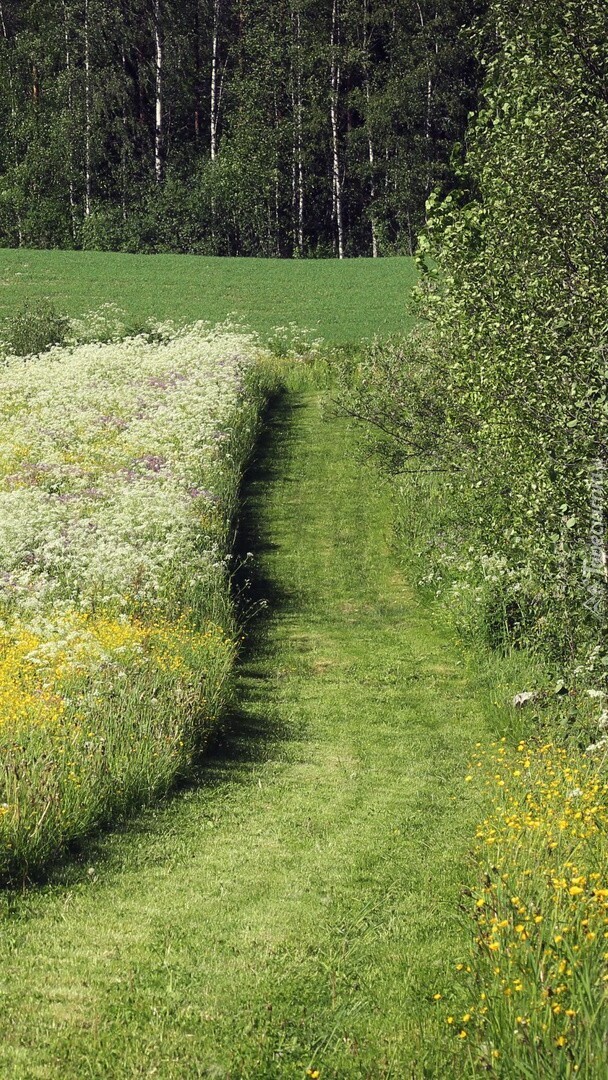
[70, 101]
[372, 186]
[277, 177]
[158, 93]
[125, 135]
[197, 70]
[427, 119]
[299, 136]
[370, 144]
[87, 113]
[215, 87]
[297, 185]
[11, 89]
[334, 102]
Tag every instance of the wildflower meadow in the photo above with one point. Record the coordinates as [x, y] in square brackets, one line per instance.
[534, 991]
[120, 465]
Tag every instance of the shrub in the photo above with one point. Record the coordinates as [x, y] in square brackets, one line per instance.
[503, 391]
[34, 328]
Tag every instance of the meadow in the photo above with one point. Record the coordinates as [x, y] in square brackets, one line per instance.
[338, 301]
[120, 466]
[121, 458]
[537, 986]
[377, 867]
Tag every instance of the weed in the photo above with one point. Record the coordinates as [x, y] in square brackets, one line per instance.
[34, 328]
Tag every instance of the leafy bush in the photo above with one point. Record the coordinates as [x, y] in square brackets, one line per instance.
[517, 288]
[504, 392]
[493, 421]
[34, 328]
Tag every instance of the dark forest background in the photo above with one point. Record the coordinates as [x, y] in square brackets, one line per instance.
[229, 127]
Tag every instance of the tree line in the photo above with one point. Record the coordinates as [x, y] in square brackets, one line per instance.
[229, 127]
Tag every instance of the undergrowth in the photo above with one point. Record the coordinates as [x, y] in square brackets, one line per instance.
[538, 910]
[530, 998]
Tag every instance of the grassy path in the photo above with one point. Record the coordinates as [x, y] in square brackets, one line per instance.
[298, 910]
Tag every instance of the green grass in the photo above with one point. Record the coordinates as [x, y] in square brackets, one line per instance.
[341, 301]
[299, 909]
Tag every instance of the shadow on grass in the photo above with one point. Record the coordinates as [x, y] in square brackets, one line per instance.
[252, 731]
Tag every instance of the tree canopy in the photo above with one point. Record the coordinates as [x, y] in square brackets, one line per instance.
[225, 127]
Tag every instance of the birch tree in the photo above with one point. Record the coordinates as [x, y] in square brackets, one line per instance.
[87, 109]
[216, 81]
[334, 105]
[287, 127]
[158, 93]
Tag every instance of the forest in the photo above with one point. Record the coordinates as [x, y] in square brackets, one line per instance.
[229, 127]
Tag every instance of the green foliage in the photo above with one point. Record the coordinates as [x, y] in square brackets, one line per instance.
[230, 150]
[33, 328]
[514, 298]
[520, 301]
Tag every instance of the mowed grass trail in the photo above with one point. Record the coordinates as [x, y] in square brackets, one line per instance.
[299, 909]
[340, 300]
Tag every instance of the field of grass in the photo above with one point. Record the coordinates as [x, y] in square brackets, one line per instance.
[340, 301]
[120, 466]
[362, 880]
[295, 914]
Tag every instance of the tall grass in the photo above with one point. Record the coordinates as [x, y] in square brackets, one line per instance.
[539, 914]
[120, 466]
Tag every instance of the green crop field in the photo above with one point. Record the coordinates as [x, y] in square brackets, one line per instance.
[340, 301]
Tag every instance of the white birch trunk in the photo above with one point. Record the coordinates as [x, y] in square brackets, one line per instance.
[277, 181]
[87, 113]
[158, 94]
[372, 190]
[294, 163]
[370, 144]
[215, 90]
[333, 108]
[123, 148]
[299, 136]
[429, 96]
[70, 96]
